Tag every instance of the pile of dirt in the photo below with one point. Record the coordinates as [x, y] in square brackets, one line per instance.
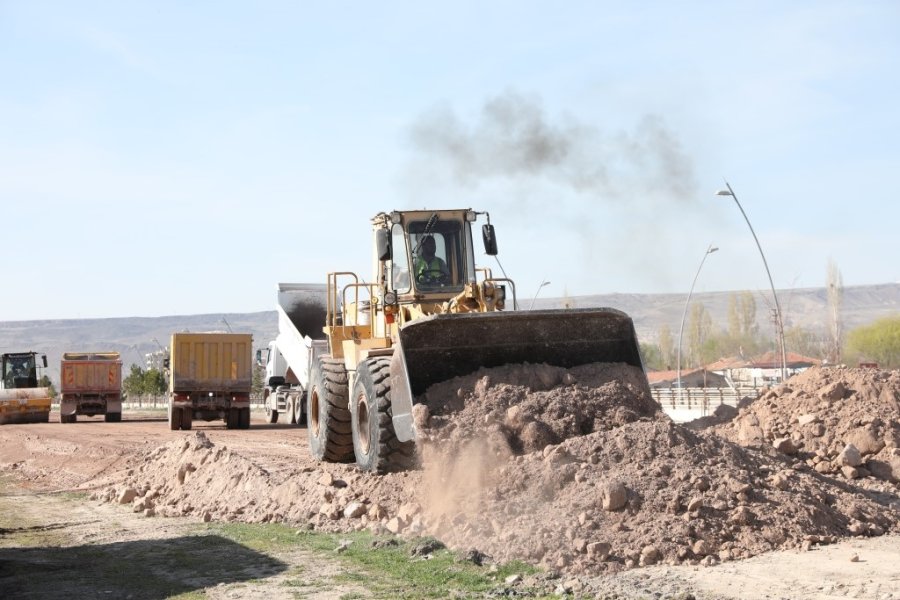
[578, 470]
[840, 421]
[192, 476]
[616, 483]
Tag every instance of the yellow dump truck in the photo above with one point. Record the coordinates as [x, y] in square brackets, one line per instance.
[210, 375]
[21, 400]
[90, 383]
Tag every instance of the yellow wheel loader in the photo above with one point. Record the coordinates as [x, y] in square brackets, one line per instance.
[429, 315]
[21, 400]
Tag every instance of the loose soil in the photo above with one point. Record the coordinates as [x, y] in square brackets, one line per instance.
[577, 471]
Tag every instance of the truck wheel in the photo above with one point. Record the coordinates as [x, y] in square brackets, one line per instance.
[244, 418]
[301, 412]
[271, 413]
[174, 418]
[289, 410]
[187, 418]
[330, 436]
[298, 410]
[232, 418]
[374, 441]
[112, 417]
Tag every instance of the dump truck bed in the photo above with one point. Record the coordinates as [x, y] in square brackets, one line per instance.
[90, 373]
[211, 362]
[301, 317]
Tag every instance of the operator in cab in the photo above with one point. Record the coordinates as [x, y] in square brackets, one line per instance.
[430, 268]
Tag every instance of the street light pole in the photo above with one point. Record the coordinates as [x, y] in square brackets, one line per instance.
[543, 283]
[709, 251]
[779, 325]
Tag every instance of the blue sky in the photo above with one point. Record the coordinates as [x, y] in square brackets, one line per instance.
[176, 158]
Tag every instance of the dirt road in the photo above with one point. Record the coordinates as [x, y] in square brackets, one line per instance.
[48, 456]
[91, 455]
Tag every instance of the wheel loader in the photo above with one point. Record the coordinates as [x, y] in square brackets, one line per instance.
[21, 399]
[429, 314]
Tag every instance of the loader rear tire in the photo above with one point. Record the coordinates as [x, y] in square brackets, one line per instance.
[115, 417]
[174, 418]
[330, 432]
[375, 443]
[68, 418]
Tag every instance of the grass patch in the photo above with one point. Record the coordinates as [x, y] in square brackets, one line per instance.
[384, 570]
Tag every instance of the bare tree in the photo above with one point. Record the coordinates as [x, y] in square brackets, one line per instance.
[666, 347]
[835, 289]
[699, 328]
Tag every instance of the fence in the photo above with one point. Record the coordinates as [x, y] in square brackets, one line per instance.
[692, 403]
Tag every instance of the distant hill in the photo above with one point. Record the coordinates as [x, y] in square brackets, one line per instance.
[133, 337]
[806, 307]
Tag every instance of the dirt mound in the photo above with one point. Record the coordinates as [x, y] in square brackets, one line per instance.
[839, 421]
[575, 469]
[609, 481]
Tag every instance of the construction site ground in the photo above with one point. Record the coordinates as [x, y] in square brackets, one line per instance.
[614, 502]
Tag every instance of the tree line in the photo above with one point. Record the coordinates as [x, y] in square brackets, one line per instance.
[703, 342]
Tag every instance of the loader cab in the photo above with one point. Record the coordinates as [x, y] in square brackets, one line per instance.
[431, 255]
[20, 370]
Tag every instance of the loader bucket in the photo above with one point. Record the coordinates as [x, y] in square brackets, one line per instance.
[305, 304]
[440, 347]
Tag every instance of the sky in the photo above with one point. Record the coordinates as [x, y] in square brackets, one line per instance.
[166, 158]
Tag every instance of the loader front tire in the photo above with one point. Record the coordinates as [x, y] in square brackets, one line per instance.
[330, 436]
[375, 443]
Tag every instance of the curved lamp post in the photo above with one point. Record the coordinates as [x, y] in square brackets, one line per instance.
[543, 283]
[709, 251]
[779, 324]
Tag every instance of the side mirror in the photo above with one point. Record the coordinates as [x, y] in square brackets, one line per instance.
[259, 357]
[490, 239]
[165, 363]
[383, 244]
[44, 359]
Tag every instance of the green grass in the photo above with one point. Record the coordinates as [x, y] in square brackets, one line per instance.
[236, 555]
[384, 572]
